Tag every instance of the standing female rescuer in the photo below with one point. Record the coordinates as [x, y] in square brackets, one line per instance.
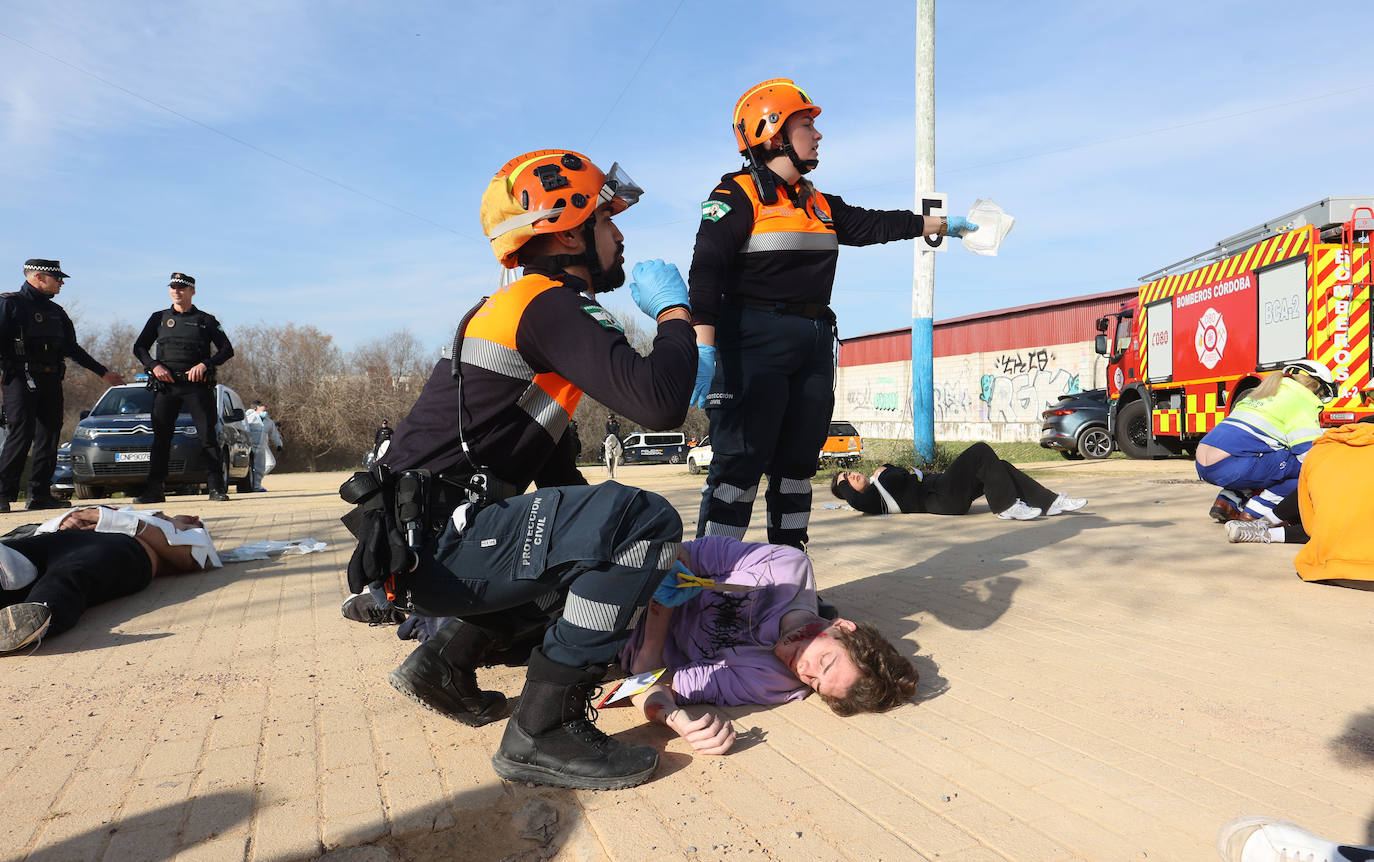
[760, 281]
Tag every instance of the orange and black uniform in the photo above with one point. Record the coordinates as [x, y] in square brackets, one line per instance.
[528, 355]
[762, 274]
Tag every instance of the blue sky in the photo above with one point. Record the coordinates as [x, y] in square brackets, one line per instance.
[1122, 136]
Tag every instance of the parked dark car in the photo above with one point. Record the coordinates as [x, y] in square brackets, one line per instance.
[1077, 426]
[62, 476]
[113, 442]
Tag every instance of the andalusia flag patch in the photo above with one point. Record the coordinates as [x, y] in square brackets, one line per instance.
[714, 210]
[603, 317]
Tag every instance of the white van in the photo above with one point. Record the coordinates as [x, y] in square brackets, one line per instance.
[643, 447]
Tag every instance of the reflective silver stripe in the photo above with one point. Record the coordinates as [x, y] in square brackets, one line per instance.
[587, 614]
[667, 555]
[634, 620]
[544, 410]
[791, 241]
[633, 556]
[496, 357]
[547, 600]
[714, 528]
[727, 493]
[794, 486]
[794, 520]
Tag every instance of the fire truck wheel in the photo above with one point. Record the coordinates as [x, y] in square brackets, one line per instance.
[1133, 430]
[1237, 398]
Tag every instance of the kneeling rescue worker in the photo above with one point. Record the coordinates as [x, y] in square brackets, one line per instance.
[496, 418]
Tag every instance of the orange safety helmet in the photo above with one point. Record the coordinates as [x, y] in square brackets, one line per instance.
[765, 107]
[547, 191]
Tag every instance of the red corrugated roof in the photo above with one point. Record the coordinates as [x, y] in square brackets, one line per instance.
[1060, 321]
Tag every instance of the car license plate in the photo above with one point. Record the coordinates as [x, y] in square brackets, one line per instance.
[133, 456]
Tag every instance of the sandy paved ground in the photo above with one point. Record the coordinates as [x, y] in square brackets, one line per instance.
[1112, 684]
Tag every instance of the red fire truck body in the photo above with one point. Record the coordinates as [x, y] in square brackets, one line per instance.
[1197, 340]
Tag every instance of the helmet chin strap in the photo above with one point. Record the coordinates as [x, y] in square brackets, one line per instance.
[803, 166]
[598, 279]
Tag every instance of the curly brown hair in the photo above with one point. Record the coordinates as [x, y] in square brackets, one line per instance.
[888, 678]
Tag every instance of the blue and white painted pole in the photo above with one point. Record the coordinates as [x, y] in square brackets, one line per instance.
[923, 279]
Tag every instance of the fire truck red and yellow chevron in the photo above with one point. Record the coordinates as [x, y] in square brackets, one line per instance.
[1338, 320]
[1338, 326]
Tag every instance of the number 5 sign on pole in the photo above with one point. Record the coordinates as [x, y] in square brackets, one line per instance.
[933, 205]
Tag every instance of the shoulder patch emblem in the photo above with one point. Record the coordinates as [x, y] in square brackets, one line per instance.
[603, 317]
[714, 210]
[822, 215]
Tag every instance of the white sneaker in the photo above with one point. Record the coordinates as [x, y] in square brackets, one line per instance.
[1248, 531]
[1020, 511]
[1267, 839]
[1066, 504]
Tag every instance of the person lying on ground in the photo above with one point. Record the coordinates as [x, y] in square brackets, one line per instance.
[1255, 454]
[90, 556]
[755, 637]
[976, 472]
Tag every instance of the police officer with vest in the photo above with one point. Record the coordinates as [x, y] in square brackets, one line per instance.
[36, 338]
[190, 345]
[761, 278]
[497, 417]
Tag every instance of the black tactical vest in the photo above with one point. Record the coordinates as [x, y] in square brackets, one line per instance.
[183, 340]
[42, 334]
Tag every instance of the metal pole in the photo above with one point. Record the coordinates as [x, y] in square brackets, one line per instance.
[923, 280]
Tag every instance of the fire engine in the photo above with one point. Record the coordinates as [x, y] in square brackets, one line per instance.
[1201, 333]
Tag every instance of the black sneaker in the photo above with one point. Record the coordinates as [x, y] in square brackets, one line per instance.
[218, 496]
[362, 608]
[23, 624]
[48, 502]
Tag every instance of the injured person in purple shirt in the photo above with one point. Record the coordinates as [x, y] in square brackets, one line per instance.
[752, 635]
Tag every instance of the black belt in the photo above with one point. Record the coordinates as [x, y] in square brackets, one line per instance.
[809, 310]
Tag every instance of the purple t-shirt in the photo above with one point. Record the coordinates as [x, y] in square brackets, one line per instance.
[719, 647]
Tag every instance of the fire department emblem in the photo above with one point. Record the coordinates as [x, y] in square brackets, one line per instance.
[1210, 340]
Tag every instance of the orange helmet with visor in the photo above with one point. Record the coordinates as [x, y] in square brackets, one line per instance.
[546, 191]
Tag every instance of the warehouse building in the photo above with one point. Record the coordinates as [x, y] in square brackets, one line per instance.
[994, 372]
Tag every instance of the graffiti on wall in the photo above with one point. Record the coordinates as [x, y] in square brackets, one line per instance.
[1023, 396]
[951, 400]
[886, 395]
[1019, 363]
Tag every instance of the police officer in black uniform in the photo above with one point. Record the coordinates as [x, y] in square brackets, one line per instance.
[36, 337]
[613, 426]
[191, 344]
[500, 411]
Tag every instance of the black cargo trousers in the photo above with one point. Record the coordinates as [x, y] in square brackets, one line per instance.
[598, 551]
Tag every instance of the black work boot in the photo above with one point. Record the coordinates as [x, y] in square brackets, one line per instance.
[439, 675]
[552, 738]
[151, 494]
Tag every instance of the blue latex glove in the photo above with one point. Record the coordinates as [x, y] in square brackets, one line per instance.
[706, 369]
[657, 286]
[669, 595]
[959, 226]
